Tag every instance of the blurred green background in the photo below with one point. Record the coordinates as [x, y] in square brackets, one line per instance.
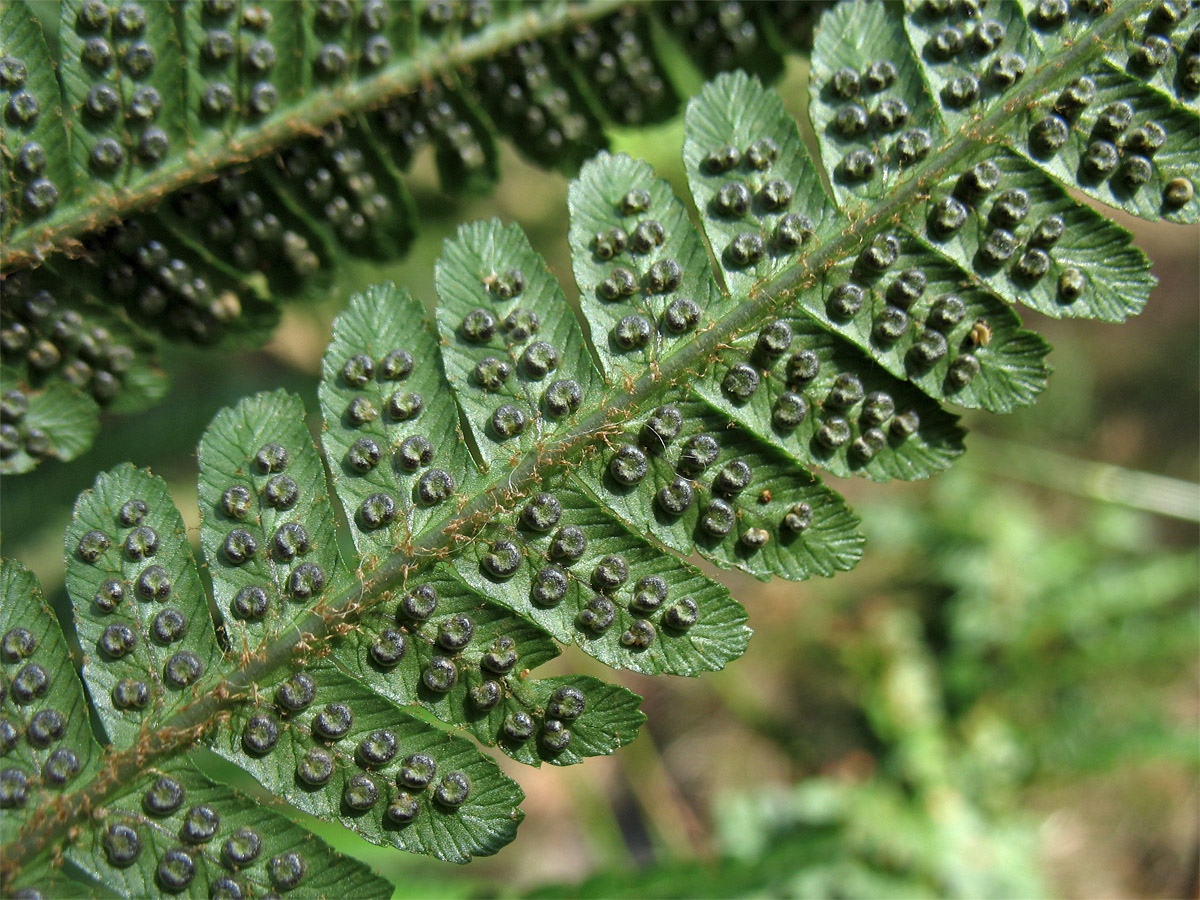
[1003, 700]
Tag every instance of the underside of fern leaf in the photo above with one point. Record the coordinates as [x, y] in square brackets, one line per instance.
[200, 163]
[516, 475]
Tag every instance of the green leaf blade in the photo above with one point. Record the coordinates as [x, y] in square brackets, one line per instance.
[384, 323]
[515, 646]
[267, 528]
[730, 112]
[284, 856]
[970, 65]
[871, 103]
[771, 410]
[1082, 240]
[60, 423]
[742, 526]
[46, 732]
[609, 721]
[627, 292]
[492, 683]
[555, 588]
[140, 610]
[25, 184]
[509, 341]
[484, 823]
[1073, 162]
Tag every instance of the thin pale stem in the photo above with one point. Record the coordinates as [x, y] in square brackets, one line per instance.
[1145, 491]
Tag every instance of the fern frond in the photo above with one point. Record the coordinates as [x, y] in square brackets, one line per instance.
[202, 164]
[515, 476]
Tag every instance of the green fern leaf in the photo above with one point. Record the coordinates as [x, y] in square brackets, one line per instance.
[215, 843]
[521, 479]
[934, 445]
[166, 830]
[509, 340]
[390, 777]
[47, 745]
[51, 420]
[145, 626]
[266, 524]
[391, 398]
[304, 119]
[62, 363]
[34, 142]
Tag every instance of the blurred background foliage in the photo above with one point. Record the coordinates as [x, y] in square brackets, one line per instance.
[1001, 701]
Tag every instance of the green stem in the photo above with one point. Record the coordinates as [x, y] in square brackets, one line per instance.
[1097, 481]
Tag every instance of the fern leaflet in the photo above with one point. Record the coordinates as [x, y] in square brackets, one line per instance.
[515, 477]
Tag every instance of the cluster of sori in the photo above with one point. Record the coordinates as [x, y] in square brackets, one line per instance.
[509, 354]
[750, 186]
[42, 339]
[374, 753]
[603, 581]
[517, 331]
[125, 560]
[341, 185]
[228, 42]
[1097, 130]
[755, 203]
[115, 109]
[415, 452]
[697, 479]
[704, 484]
[163, 283]
[1116, 149]
[870, 114]
[199, 831]
[618, 63]
[118, 108]
[858, 412]
[1114, 132]
[440, 16]
[844, 405]
[516, 361]
[444, 645]
[532, 98]
[22, 111]
[287, 545]
[32, 730]
[442, 115]
[729, 35]
[449, 651]
[438, 114]
[1030, 257]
